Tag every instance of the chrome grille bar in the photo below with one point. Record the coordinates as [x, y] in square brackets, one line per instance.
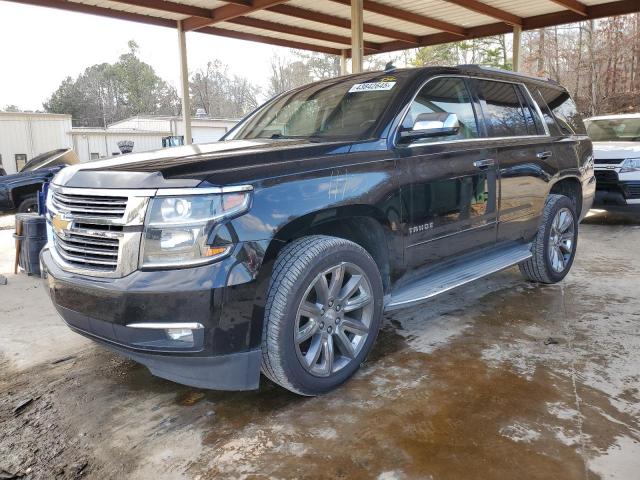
[111, 251]
[84, 260]
[106, 206]
[83, 200]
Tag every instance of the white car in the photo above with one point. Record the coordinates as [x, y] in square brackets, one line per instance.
[616, 150]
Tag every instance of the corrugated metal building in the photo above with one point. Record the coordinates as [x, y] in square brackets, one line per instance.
[24, 135]
[96, 143]
[203, 129]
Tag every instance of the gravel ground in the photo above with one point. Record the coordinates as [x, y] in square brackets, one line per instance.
[500, 379]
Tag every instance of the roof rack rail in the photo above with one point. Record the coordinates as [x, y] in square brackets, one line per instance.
[487, 68]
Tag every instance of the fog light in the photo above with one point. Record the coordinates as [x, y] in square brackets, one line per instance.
[180, 334]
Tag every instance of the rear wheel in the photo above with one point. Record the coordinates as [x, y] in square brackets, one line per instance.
[554, 247]
[323, 314]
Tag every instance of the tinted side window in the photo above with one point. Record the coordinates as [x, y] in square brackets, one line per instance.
[448, 95]
[565, 111]
[504, 113]
[549, 119]
[534, 123]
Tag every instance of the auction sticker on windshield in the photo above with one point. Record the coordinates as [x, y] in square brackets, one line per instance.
[371, 86]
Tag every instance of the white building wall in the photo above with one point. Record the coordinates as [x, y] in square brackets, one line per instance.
[34, 133]
[143, 123]
[207, 134]
[105, 142]
[31, 134]
[203, 130]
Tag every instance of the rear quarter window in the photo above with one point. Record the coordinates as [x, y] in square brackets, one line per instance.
[564, 110]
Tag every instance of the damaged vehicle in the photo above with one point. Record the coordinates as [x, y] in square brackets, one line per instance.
[278, 249]
[20, 191]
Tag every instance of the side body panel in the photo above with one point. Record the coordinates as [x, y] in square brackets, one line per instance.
[525, 179]
[11, 185]
[450, 204]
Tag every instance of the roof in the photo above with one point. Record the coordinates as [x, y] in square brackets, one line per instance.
[324, 25]
[170, 118]
[409, 73]
[59, 116]
[108, 131]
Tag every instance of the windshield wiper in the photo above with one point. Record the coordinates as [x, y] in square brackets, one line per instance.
[280, 135]
[313, 137]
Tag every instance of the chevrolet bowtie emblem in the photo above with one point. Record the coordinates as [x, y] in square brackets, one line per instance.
[59, 224]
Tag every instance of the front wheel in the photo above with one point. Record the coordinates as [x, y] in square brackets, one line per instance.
[323, 313]
[554, 247]
[28, 204]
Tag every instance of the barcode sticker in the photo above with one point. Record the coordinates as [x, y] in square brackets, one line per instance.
[371, 87]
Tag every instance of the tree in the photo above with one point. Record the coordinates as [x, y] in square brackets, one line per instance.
[445, 55]
[596, 60]
[490, 51]
[287, 74]
[220, 95]
[105, 93]
[319, 65]
[11, 108]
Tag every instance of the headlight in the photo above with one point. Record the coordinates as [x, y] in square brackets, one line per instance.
[177, 227]
[630, 165]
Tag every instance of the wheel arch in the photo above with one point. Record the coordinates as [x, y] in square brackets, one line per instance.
[364, 225]
[20, 193]
[570, 187]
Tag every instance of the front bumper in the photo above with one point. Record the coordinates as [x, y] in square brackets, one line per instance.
[614, 189]
[588, 196]
[225, 354]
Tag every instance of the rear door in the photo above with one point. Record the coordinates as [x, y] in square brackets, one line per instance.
[448, 183]
[524, 152]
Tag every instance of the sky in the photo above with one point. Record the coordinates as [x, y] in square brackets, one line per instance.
[42, 46]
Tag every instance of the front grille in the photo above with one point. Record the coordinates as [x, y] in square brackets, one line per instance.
[608, 161]
[96, 232]
[88, 251]
[606, 177]
[632, 190]
[86, 205]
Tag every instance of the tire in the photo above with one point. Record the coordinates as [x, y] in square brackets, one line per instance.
[28, 204]
[543, 266]
[296, 289]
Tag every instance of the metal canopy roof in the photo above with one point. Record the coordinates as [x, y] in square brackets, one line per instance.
[325, 25]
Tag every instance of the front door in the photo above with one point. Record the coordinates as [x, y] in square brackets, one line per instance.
[448, 183]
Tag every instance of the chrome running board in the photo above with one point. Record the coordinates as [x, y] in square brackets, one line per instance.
[442, 278]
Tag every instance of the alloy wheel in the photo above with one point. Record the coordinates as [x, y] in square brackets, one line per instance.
[561, 240]
[334, 319]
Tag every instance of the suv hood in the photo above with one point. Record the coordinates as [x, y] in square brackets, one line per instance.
[615, 150]
[191, 165]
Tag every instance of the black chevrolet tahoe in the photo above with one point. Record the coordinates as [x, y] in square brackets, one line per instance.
[279, 248]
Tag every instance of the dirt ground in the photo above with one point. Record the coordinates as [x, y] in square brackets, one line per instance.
[501, 379]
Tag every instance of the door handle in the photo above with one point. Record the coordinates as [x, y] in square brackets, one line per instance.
[544, 155]
[482, 164]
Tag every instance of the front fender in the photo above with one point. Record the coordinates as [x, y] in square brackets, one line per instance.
[284, 204]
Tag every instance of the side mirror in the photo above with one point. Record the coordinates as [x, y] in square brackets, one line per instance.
[432, 125]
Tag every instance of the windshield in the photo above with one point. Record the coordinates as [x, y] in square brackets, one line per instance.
[614, 130]
[340, 109]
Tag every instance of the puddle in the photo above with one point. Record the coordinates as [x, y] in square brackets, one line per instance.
[467, 386]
